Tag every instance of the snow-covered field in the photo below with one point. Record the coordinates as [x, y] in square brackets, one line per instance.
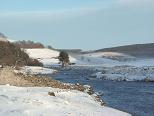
[111, 59]
[35, 101]
[47, 56]
[126, 73]
[141, 62]
[112, 55]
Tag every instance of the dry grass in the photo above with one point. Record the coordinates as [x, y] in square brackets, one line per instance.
[7, 76]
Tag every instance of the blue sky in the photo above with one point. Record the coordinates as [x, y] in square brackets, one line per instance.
[85, 24]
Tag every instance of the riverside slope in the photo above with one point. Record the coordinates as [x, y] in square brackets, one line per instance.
[35, 101]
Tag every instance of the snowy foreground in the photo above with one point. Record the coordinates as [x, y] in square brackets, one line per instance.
[35, 101]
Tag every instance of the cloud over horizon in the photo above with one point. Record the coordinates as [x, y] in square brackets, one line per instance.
[102, 24]
[137, 3]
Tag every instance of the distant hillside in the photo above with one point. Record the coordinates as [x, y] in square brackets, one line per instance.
[137, 50]
[70, 50]
[3, 37]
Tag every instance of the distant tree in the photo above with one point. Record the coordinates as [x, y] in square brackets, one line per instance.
[50, 47]
[63, 58]
[28, 44]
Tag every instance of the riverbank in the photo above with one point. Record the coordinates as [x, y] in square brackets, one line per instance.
[33, 95]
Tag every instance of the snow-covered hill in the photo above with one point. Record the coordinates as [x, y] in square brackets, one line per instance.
[47, 56]
[42, 53]
[112, 55]
[35, 101]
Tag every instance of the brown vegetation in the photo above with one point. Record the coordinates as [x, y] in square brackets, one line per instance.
[7, 76]
[13, 56]
[28, 44]
[10, 54]
[137, 50]
[34, 62]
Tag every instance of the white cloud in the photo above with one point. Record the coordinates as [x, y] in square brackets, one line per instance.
[78, 10]
[51, 14]
[61, 13]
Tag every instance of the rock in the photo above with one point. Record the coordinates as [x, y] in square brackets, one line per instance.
[51, 93]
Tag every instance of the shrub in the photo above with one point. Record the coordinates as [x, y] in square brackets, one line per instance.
[34, 62]
[29, 44]
[63, 58]
[10, 54]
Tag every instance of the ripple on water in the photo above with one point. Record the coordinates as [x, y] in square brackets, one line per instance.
[136, 98]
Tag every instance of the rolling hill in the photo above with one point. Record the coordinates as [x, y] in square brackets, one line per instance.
[137, 50]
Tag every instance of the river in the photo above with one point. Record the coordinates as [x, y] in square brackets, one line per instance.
[136, 98]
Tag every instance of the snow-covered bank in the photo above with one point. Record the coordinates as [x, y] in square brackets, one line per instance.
[126, 73]
[35, 70]
[35, 101]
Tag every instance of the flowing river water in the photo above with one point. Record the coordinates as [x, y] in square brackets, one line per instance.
[136, 98]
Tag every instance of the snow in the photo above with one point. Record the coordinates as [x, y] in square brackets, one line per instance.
[111, 59]
[47, 56]
[126, 73]
[35, 70]
[111, 55]
[130, 68]
[103, 59]
[42, 53]
[35, 101]
[141, 62]
[50, 58]
[89, 60]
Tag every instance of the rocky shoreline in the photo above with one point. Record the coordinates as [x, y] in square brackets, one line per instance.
[8, 76]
